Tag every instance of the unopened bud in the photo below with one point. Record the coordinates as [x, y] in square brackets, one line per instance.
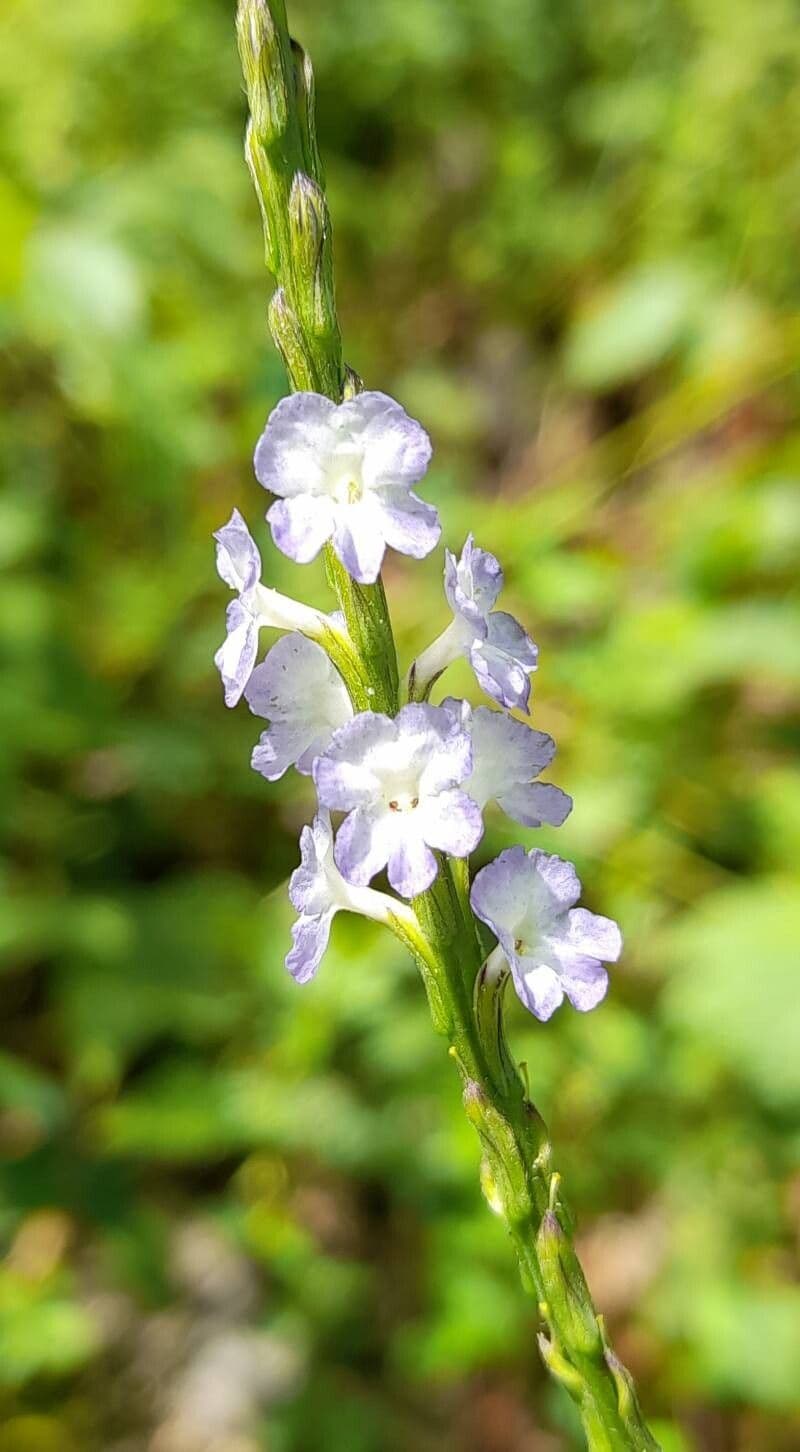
[309, 223]
[306, 103]
[491, 1194]
[288, 335]
[258, 166]
[558, 1365]
[504, 1167]
[353, 384]
[569, 1302]
[628, 1403]
[263, 69]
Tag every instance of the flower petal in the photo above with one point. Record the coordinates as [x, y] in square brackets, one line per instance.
[451, 822]
[473, 582]
[407, 524]
[292, 452]
[344, 776]
[309, 888]
[559, 876]
[281, 746]
[316, 747]
[236, 656]
[585, 984]
[501, 891]
[355, 416]
[238, 559]
[503, 660]
[301, 525]
[296, 680]
[364, 843]
[539, 990]
[440, 745]
[505, 753]
[461, 711]
[506, 634]
[310, 936]
[298, 690]
[593, 935]
[358, 542]
[534, 804]
[397, 450]
[412, 866]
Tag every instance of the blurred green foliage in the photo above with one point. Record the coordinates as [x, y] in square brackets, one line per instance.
[234, 1215]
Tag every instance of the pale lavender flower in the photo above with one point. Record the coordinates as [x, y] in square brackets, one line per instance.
[500, 652]
[506, 756]
[345, 473]
[300, 692]
[398, 780]
[318, 892]
[553, 948]
[239, 565]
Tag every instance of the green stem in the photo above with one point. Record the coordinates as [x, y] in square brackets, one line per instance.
[464, 996]
[519, 1184]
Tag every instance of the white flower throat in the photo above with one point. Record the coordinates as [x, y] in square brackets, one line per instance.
[401, 790]
[527, 936]
[403, 802]
[349, 491]
[345, 478]
[400, 771]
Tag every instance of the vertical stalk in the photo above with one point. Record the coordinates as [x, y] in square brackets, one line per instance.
[520, 1186]
[464, 996]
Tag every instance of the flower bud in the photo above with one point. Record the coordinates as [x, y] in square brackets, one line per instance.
[288, 336]
[491, 1193]
[559, 1367]
[503, 1168]
[258, 167]
[310, 230]
[353, 384]
[569, 1303]
[305, 98]
[308, 222]
[628, 1402]
[262, 66]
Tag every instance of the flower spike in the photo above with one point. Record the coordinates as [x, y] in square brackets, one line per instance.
[342, 466]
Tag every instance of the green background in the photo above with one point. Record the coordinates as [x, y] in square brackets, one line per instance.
[236, 1215]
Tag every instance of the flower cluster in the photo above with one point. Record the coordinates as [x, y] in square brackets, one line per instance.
[414, 786]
